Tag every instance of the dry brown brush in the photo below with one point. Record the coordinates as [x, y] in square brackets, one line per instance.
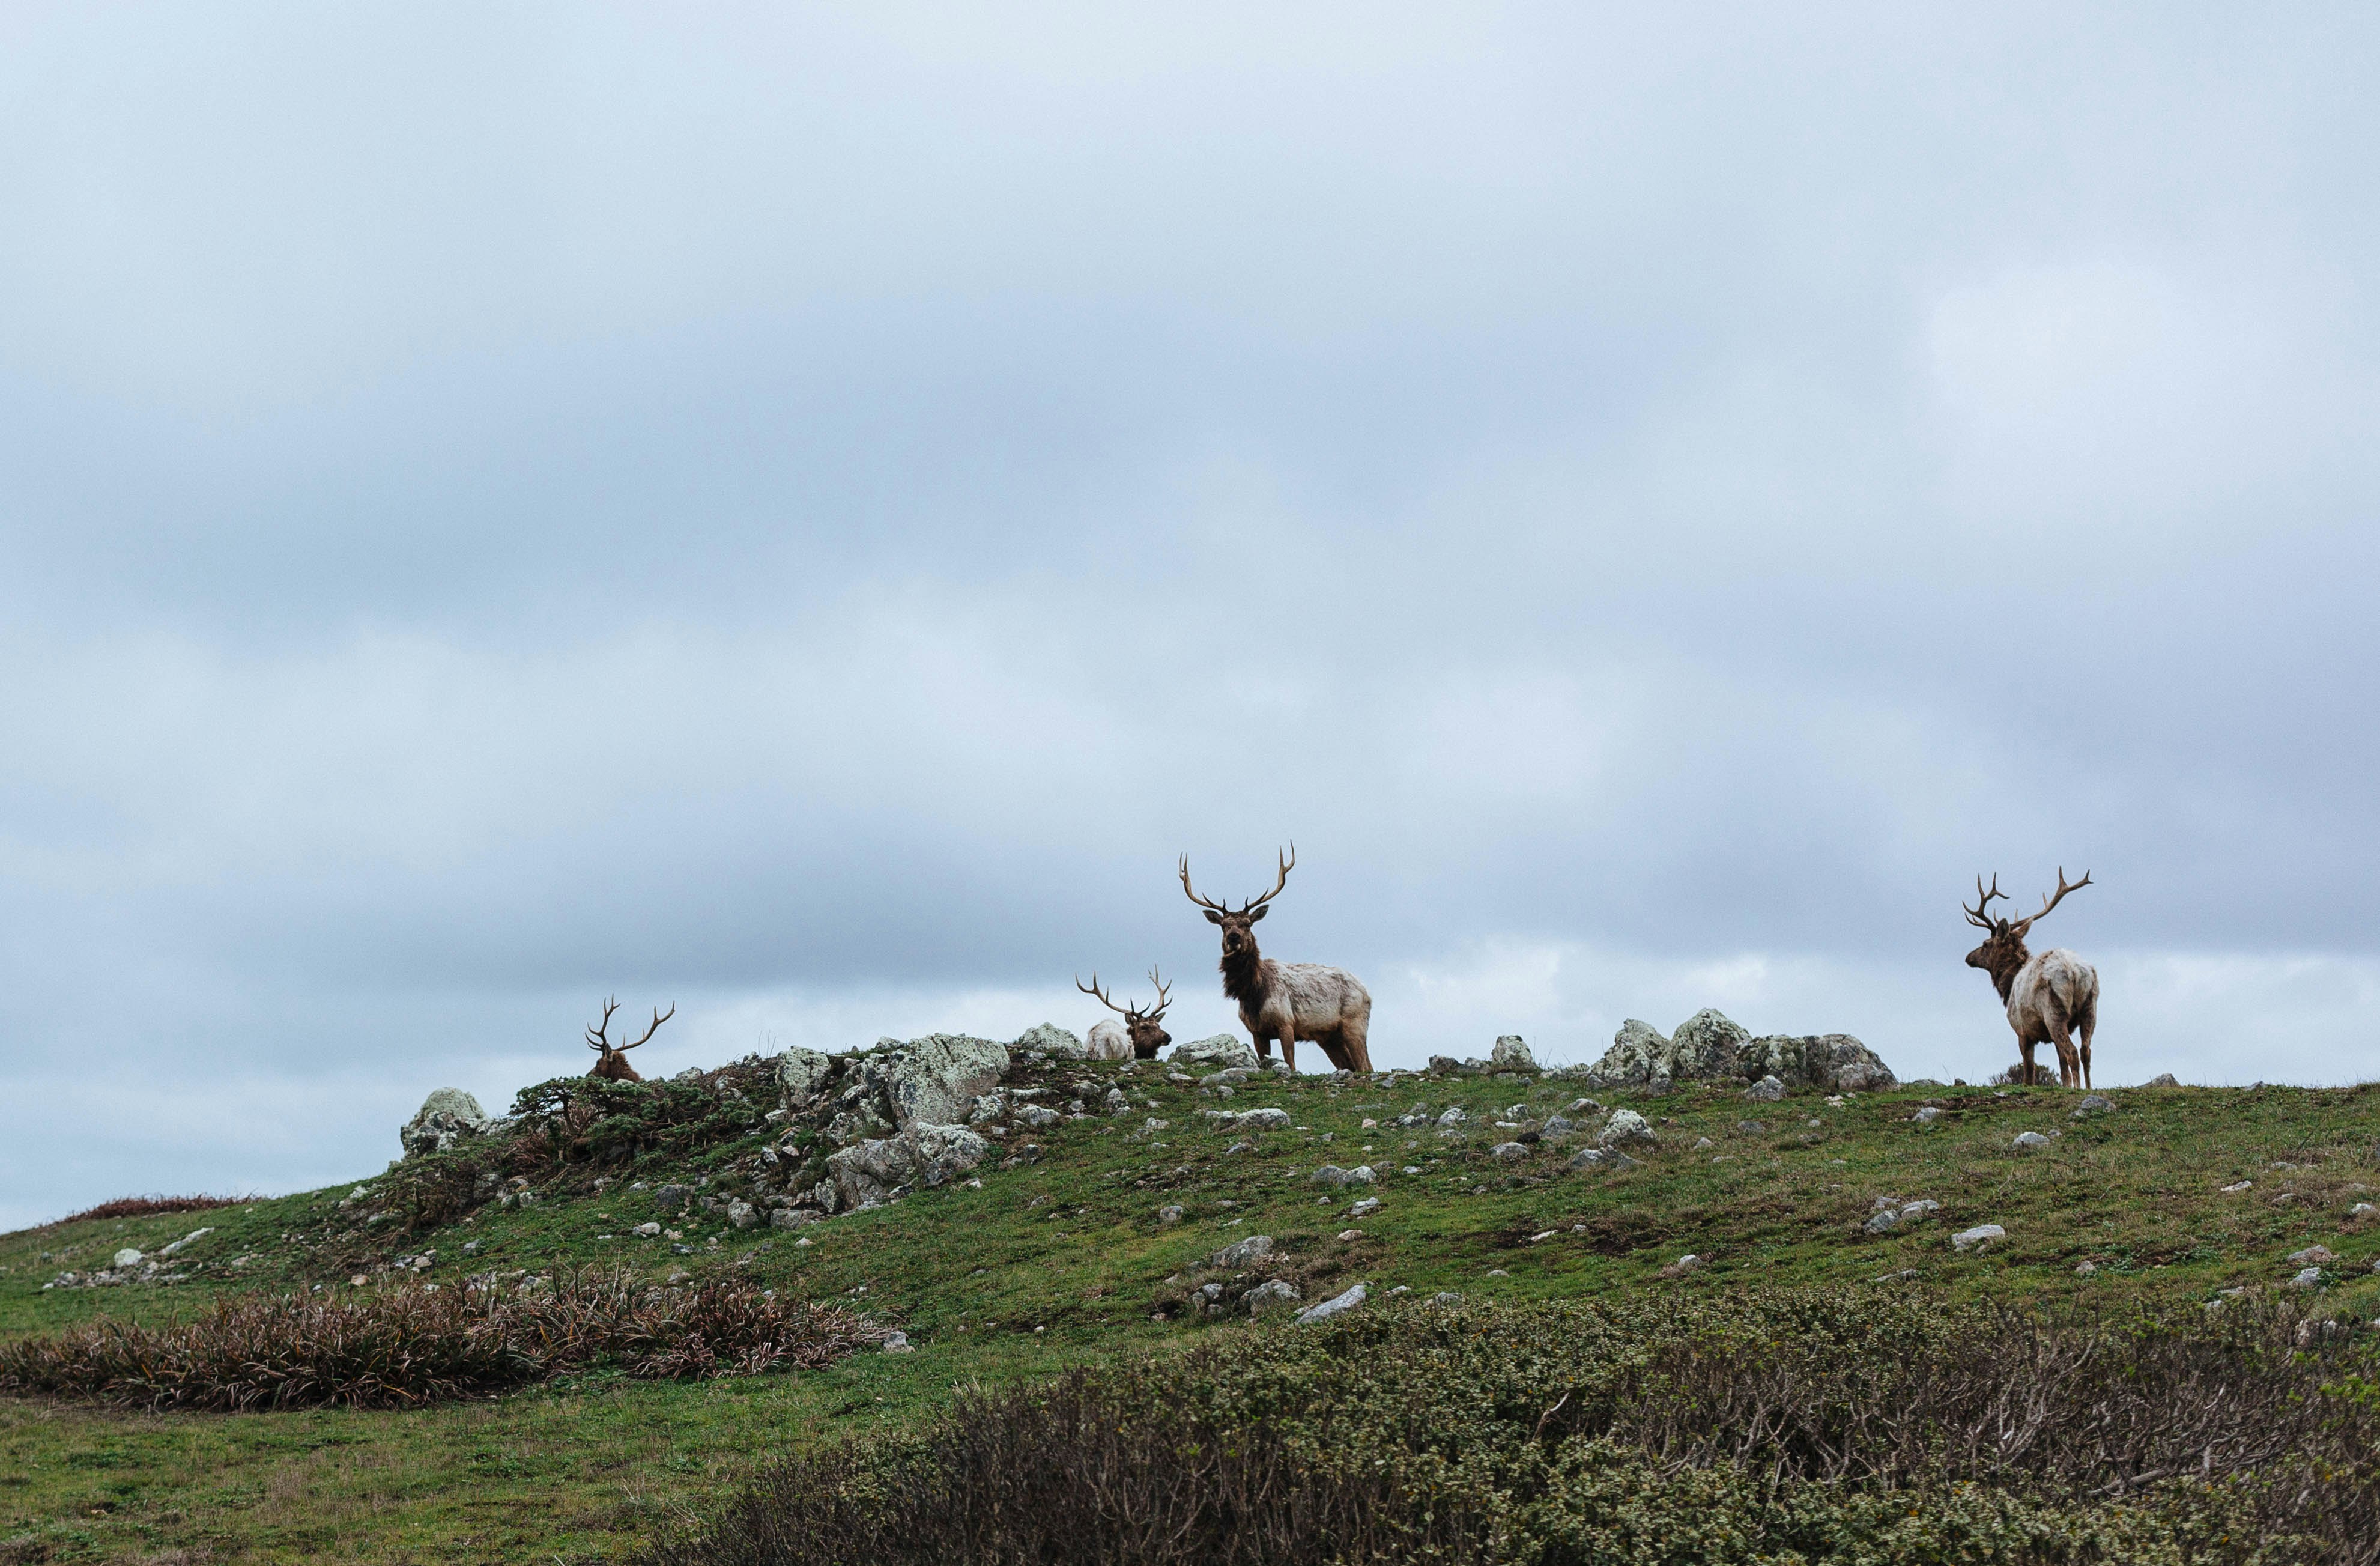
[147, 1207]
[1776, 1425]
[420, 1344]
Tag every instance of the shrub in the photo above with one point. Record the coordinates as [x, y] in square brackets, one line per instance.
[145, 1207]
[419, 1344]
[1775, 1426]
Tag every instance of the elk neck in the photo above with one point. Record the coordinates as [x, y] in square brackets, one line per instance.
[2006, 965]
[1243, 974]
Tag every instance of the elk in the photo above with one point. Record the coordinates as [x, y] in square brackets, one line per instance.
[2051, 998]
[1140, 1032]
[612, 1060]
[1288, 1001]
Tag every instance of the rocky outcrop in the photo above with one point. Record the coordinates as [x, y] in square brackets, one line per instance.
[448, 1118]
[873, 1172]
[1221, 1051]
[1710, 1046]
[1047, 1038]
[802, 1078]
[1511, 1054]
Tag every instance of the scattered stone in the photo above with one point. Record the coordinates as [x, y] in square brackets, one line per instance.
[2309, 1279]
[1511, 1054]
[1168, 1214]
[1049, 1038]
[1559, 1125]
[1601, 1157]
[882, 1170]
[126, 1257]
[1219, 1050]
[1366, 1208]
[1626, 1128]
[2163, 1079]
[448, 1118]
[1927, 1115]
[794, 1218]
[1262, 1119]
[1265, 1296]
[1445, 1297]
[1336, 1306]
[1753, 1127]
[649, 1230]
[1331, 1174]
[2092, 1104]
[2031, 1142]
[2085, 1268]
[896, 1342]
[1240, 1253]
[1509, 1152]
[2361, 1209]
[1682, 1266]
[802, 1078]
[2313, 1256]
[1768, 1090]
[2238, 1186]
[1702, 1143]
[1981, 1234]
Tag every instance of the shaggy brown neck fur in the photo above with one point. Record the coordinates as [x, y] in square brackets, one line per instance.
[1243, 976]
[2006, 964]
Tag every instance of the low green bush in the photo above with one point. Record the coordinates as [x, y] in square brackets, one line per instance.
[414, 1343]
[1770, 1427]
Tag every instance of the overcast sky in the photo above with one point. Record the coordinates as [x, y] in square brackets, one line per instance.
[803, 516]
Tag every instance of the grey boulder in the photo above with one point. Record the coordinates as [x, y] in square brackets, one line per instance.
[1511, 1054]
[871, 1172]
[1829, 1063]
[1218, 1051]
[802, 1078]
[1338, 1305]
[1049, 1039]
[446, 1119]
[1626, 1128]
[1240, 1253]
[1265, 1296]
[1768, 1090]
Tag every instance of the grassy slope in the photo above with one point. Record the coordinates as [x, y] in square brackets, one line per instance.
[1073, 1246]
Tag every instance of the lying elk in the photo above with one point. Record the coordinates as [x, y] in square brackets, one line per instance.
[1140, 1036]
[612, 1060]
[1288, 1001]
[2052, 997]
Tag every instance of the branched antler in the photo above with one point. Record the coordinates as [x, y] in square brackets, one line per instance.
[1158, 1010]
[1975, 916]
[595, 1039]
[2052, 902]
[1093, 989]
[1288, 862]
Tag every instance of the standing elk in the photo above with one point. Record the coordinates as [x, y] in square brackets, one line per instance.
[1288, 1001]
[1140, 1036]
[612, 1060]
[2053, 998]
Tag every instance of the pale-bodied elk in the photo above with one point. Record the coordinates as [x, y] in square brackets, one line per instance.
[612, 1060]
[2052, 997]
[1140, 1036]
[1288, 1001]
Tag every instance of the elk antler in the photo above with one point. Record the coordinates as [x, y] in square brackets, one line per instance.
[1287, 863]
[2050, 902]
[659, 1018]
[595, 1039]
[1975, 916]
[1157, 1010]
[1093, 989]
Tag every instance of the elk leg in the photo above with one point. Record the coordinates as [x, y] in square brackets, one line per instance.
[2070, 1069]
[2028, 1072]
[2090, 1021]
[1356, 1047]
[1289, 1048]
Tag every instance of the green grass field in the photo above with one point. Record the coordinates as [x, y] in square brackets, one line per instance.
[1065, 1262]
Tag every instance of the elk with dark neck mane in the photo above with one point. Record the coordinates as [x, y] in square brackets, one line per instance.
[1288, 1001]
[2052, 997]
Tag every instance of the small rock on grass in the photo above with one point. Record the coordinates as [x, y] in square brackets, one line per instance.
[1265, 1295]
[1927, 1115]
[2090, 1105]
[1768, 1090]
[1366, 1208]
[2313, 1256]
[1240, 1253]
[1336, 1306]
[2309, 1279]
[2030, 1141]
[896, 1342]
[1509, 1152]
[1168, 1214]
[1981, 1234]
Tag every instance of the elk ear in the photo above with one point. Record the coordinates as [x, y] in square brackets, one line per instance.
[1213, 918]
[1259, 913]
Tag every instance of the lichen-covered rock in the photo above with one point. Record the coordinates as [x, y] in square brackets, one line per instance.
[935, 1080]
[1049, 1039]
[1768, 1090]
[1265, 1296]
[872, 1173]
[1262, 1119]
[1706, 1046]
[1626, 1128]
[1511, 1054]
[1829, 1062]
[802, 1078]
[1336, 1306]
[942, 1153]
[1221, 1051]
[446, 1118]
[1240, 1253]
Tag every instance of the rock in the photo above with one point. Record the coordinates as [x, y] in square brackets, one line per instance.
[1168, 1214]
[1452, 1117]
[1265, 1296]
[803, 1077]
[1912, 1212]
[1262, 1119]
[1559, 1125]
[1512, 1054]
[1829, 1063]
[1686, 1263]
[742, 1214]
[2162, 1079]
[2313, 1256]
[1331, 1174]
[1509, 1152]
[126, 1257]
[447, 1118]
[945, 1152]
[1336, 1306]
[1444, 1065]
[1240, 1253]
[1601, 1157]
[1927, 1115]
[792, 1217]
[935, 1080]
[2309, 1279]
[875, 1171]
[2238, 1186]
[1049, 1039]
[1116, 1103]
[2086, 1267]
[1883, 1221]
[2030, 1142]
[1626, 1128]
[1768, 1090]
[650, 1230]
[1366, 1208]
[2361, 1209]
[1107, 1042]
[1638, 1052]
[2090, 1105]
[1753, 1127]
[1222, 1049]
[1981, 1234]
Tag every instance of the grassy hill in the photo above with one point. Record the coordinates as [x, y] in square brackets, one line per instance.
[1069, 1258]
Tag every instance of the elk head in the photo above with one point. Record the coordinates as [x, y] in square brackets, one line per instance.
[612, 1060]
[1147, 1037]
[2002, 952]
[1239, 936]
